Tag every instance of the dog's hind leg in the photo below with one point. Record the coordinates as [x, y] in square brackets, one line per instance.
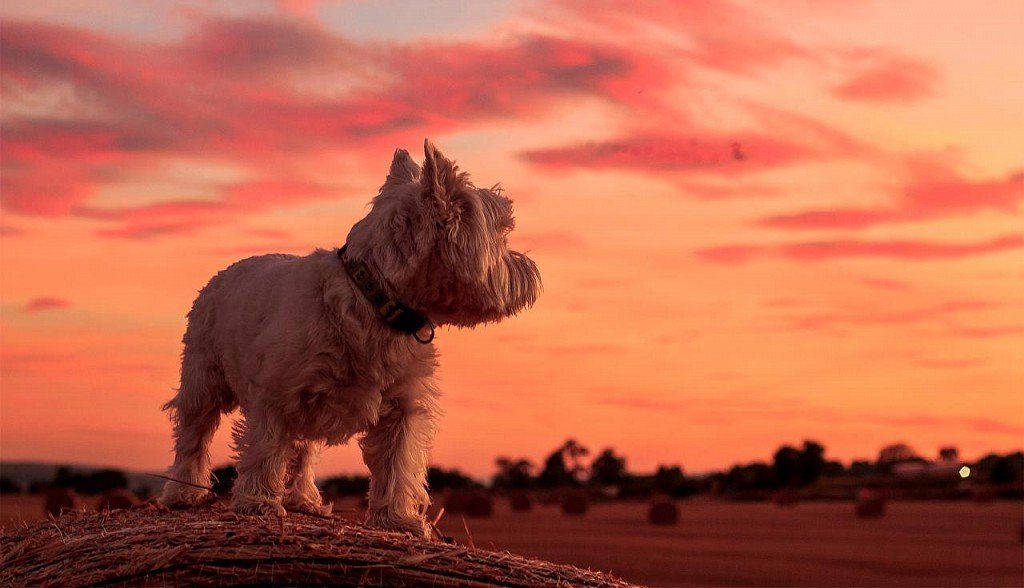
[195, 411]
[301, 493]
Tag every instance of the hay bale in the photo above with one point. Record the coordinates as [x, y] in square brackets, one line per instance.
[520, 502]
[61, 500]
[663, 512]
[575, 503]
[870, 504]
[117, 500]
[212, 546]
[472, 503]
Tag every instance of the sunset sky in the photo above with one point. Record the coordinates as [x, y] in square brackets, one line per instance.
[757, 222]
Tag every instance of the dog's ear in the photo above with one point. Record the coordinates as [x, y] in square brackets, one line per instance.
[403, 169]
[441, 182]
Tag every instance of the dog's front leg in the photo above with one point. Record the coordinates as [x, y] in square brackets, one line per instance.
[301, 493]
[396, 449]
[263, 457]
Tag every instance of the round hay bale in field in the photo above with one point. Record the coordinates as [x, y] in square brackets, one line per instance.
[480, 505]
[870, 504]
[61, 500]
[117, 500]
[520, 502]
[211, 546]
[472, 503]
[663, 512]
[575, 503]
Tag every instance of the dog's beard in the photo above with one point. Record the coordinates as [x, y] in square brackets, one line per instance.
[510, 286]
[523, 284]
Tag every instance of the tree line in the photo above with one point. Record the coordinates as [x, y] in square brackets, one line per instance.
[570, 466]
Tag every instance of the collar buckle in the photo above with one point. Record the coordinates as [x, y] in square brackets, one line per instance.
[397, 315]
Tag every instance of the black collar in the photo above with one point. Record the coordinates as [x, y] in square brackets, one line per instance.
[397, 315]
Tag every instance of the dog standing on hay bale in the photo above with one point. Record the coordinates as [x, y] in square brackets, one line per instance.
[317, 349]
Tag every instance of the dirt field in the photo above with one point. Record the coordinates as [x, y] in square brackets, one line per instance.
[729, 544]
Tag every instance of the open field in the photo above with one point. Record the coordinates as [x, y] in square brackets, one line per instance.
[745, 544]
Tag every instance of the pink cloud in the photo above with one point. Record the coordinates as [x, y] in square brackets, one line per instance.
[674, 153]
[45, 303]
[853, 248]
[827, 321]
[237, 91]
[987, 332]
[883, 77]
[720, 34]
[935, 193]
[188, 216]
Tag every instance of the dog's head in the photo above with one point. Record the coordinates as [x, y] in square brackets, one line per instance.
[442, 243]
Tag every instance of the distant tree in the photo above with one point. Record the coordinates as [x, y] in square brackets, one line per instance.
[669, 480]
[753, 476]
[513, 474]
[102, 481]
[346, 486]
[64, 477]
[575, 454]
[224, 479]
[93, 483]
[607, 468]
[563, 466]
[861, 468]
[786, 464]
[896, 453]
[439, 479]
[9, 486]
[833, 469]
[555, 473]
[811, 463]
[1004, 470]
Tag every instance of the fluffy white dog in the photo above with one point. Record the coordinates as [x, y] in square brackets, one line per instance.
[317, 349]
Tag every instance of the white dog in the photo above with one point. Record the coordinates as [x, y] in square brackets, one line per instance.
[319, 348]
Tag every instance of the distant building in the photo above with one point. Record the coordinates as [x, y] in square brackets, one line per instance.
[897, 453]
[948, 466]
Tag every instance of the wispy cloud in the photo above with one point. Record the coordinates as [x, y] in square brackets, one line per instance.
[881, 76]
[904, 249]
[45, 303]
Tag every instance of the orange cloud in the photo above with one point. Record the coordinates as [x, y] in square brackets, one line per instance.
[45, 303]
[722, 154]
[934, 193]
[883, 77]
[896, 249]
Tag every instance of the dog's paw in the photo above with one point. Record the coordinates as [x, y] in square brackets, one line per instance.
[177, 495]
[386, 521]
[257, 507]
[308, 505]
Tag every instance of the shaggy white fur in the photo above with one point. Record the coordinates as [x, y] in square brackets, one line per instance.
[294, 343]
